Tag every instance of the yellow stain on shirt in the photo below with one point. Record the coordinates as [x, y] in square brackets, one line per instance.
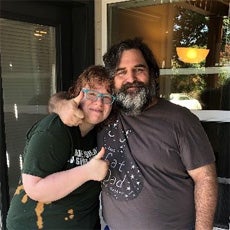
[39, 210]
[18, 190]
[25, 198]
[39, 207]
[71, 214]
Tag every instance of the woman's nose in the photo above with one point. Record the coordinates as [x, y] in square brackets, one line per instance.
[99, 100]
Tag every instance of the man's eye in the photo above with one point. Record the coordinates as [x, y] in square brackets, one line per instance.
[121, 72]
[139, 70]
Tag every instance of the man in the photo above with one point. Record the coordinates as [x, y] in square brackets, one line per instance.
[162, 168]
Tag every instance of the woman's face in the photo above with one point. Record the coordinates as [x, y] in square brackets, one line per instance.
[95, 111]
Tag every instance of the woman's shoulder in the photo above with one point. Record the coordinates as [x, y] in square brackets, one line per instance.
[50, 123]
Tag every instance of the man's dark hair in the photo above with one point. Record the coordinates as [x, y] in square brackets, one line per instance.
[112, 57]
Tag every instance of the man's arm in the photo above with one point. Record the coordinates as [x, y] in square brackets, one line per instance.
[68, 110]
[55, 100]
[205, 195]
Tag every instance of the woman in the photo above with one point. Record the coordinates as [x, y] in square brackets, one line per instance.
[62, 170]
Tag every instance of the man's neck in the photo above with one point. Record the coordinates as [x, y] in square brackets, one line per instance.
[152, 103]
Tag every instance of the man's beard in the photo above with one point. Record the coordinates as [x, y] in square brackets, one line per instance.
[134, 102]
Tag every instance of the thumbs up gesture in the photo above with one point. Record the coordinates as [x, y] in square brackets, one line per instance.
[69, 111]
[98, 167]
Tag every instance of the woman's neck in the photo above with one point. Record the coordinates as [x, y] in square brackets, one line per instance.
[85, 128]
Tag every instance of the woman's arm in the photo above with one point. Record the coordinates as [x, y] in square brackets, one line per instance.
[60, 184]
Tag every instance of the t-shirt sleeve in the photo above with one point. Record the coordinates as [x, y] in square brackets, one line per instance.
[195, 147]
[45, 154]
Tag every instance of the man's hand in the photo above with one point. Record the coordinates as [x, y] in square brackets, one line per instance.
[69, 111]
[98, 167]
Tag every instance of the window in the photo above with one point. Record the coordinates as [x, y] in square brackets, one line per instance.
[28, 63]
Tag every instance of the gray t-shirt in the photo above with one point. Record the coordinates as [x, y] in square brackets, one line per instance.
[148, 186]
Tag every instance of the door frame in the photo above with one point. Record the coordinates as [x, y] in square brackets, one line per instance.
[101, 27]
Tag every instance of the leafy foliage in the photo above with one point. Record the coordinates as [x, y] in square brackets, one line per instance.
[191, 30]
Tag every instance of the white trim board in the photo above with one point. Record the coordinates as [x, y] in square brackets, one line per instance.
[212, 115]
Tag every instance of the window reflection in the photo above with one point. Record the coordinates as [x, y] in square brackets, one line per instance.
[28, 64]
[167, 25]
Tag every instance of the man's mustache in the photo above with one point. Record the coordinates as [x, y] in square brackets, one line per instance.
[135, 84]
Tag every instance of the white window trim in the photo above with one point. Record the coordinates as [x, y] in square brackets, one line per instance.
[101, 27]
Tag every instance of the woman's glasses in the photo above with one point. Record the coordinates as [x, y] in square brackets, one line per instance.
[93, 95]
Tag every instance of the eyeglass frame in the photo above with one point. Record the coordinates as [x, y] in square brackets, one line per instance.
[98, 95]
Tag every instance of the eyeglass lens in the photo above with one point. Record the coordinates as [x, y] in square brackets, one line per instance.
[93, 96]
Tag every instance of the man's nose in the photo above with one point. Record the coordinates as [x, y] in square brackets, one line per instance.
[130, 76]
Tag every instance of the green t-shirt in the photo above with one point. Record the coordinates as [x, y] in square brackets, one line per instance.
[53, 147]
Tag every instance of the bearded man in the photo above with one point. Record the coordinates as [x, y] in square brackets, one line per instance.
[162, 172]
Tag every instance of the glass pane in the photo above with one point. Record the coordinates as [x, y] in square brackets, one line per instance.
[167, 25]
[28, 62]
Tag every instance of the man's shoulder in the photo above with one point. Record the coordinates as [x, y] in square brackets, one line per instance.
[50, 120]
[168, 108]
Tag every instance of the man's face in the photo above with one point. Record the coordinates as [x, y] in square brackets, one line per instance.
[133, 87]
